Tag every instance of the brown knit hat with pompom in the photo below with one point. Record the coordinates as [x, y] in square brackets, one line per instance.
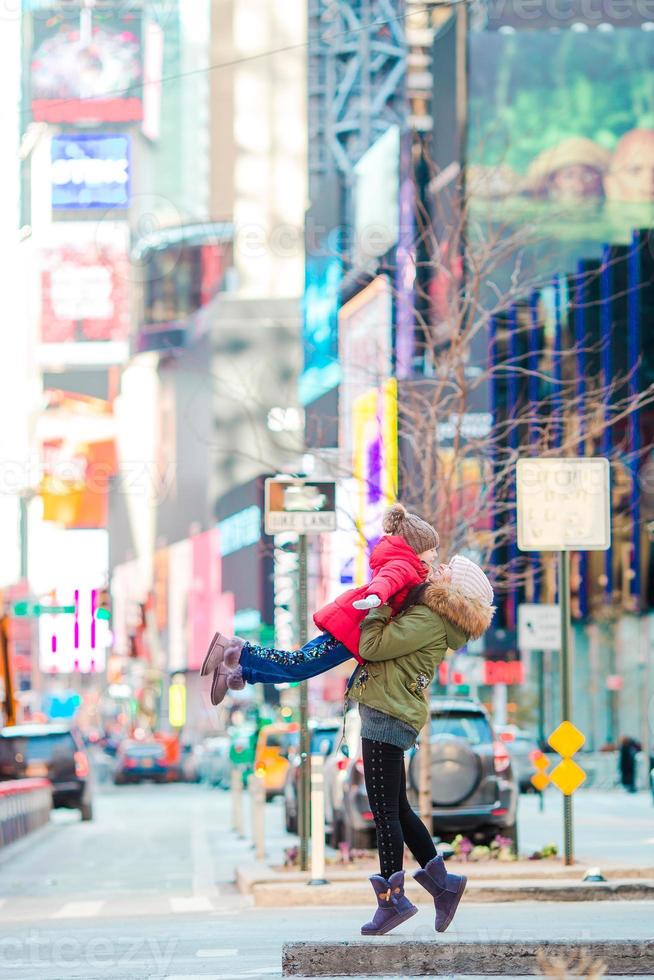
[417, 533]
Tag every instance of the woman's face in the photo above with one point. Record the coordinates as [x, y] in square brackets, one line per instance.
[442, 574]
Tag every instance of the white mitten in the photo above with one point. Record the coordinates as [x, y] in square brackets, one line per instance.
[370, 602]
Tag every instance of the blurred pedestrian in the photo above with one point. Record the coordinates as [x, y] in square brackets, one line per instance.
[401, 655]
[629, 749]
[402, 559]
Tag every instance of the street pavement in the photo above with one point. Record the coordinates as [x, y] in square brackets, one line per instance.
[145, 891]
[611, 826]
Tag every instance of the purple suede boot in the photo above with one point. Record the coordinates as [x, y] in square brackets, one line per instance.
[446, 890]
[393, 907]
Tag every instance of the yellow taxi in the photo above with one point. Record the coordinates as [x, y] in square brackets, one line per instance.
[271, 757]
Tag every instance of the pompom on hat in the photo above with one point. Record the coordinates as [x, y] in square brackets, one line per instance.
[417, 533]
[468, 579]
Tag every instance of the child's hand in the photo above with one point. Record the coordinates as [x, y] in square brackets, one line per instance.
[370, 602]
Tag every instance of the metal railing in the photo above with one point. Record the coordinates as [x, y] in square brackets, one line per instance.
[25, 805]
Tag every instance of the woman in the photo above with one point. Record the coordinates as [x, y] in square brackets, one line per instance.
[402, 558]
[401, 657]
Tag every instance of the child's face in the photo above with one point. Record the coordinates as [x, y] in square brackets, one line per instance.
[429, 559]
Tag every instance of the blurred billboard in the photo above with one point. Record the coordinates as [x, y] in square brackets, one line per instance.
[365, 325]
[90, 171]
[322, 284]
[322, 371]
[375, 457]
[85, 65]
[68, 569]
[561, 140]
[84, 284]
[78, 459]
[377, 197]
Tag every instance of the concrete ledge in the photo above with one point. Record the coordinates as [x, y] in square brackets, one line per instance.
[258, 873]
[411, 957]
[299, 893]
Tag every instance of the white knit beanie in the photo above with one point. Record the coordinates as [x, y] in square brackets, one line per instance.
[469, 579]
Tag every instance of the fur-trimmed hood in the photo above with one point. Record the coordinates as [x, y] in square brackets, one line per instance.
[470, 616]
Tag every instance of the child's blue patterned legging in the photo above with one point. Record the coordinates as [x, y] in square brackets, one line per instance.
[265, 665]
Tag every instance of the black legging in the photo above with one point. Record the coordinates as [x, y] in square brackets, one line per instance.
[397, 823]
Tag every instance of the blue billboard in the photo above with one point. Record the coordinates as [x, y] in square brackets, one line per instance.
[90, 171]
[322, 372]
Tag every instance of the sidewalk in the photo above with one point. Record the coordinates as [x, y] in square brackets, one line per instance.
[628, 878]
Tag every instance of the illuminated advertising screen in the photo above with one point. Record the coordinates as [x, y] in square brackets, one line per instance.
[84, 283]
[78, 459]
[365, 326]
[561, 140]
[86, 64]
[320, 331]
[70, 574]
[89, 171]
[375, 469]
[377, 197]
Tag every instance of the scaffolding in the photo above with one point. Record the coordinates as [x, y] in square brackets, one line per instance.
[357, 74]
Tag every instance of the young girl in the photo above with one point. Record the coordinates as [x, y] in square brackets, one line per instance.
[401, 656]
[401, 560]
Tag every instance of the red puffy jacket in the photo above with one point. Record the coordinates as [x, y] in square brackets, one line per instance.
[396, 568]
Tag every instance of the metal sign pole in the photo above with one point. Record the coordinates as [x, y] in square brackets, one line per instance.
[566, 688]
[541, 716]
[304, 801]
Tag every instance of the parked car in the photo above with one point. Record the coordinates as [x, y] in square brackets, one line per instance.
[274, 744]
[348, 817]
[140, 759]
[215, 765]
[55, 752]
[521, 745]
[474, 790]
[324, 735]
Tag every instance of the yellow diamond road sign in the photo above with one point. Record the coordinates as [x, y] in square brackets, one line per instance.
[568, 776]
[541, 761]
[540, 780]
[566, 739]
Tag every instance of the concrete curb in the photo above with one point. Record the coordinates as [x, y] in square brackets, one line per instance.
[409, 957]
[258, 873]
[294, 894]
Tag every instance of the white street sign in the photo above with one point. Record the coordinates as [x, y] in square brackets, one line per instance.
[563, 504]
[300, 506]
[539, 626]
